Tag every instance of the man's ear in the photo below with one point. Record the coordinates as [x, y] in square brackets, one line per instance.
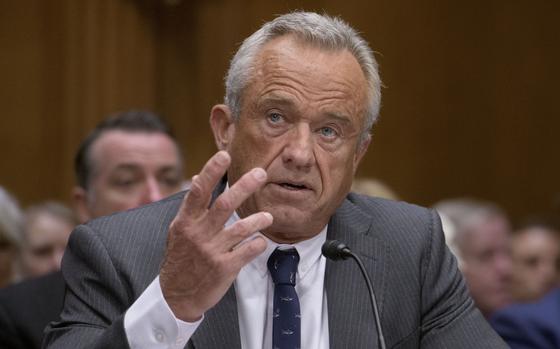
[361, 151]
[79, 196]
[222, 125]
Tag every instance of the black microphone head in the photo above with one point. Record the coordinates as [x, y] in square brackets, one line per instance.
[335, 250]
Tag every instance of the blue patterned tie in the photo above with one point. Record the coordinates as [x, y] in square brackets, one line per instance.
[282, 265]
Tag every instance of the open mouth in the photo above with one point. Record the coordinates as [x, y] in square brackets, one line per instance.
[293, 186]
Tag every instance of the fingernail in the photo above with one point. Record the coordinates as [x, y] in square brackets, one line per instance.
[259, 174]
[268, 215]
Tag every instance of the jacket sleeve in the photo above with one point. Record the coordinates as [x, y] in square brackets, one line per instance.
[96, 297]
[449, 317]
[9, 337]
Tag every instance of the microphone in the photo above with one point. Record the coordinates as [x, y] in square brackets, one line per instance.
[336, 250]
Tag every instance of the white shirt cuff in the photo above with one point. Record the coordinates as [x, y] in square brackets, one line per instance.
[150, 323]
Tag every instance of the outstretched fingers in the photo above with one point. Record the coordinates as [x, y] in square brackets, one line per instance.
[198, 198]
[235, 235]
[246, 252]
[232, 198]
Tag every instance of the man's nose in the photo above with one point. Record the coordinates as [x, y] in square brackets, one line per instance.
[298, 151]
[153, 191]
[504, 265]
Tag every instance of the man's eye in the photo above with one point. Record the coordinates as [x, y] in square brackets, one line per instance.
[123, 182]
[275, 118]
[42, 251]
[171, 181]
[328, 132]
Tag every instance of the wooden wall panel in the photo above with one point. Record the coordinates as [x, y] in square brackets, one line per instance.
[468, 108]
[67, 64]
[30, 136]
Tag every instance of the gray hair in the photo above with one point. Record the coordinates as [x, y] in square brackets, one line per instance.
[11, 220]
[459, 216]
[320, 30]
[49, 208]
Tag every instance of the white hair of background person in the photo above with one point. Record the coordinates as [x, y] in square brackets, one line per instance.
[11, 218]
[11, 228]
[460, 215]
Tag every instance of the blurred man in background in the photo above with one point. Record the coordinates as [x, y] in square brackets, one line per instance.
[535, 321]
[536, 257]
[534, 325]
[128, 160]
[46, 229]
[10, 237]
[373, 187]
[478, 233]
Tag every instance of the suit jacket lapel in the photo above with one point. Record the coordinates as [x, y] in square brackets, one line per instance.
[351, 321]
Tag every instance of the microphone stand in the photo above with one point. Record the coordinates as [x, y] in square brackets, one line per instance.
[336, 250]
[372, 300]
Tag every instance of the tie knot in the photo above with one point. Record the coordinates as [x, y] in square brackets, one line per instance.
[282, 265]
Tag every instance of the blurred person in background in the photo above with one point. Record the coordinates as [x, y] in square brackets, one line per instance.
[46, 229]
[533, 325]
[535, 321]
[373, 187]
[536, 257]
[478, 233]
[128, 160]
[10, 237]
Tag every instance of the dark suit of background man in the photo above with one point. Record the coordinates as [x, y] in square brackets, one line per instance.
[302, 94]
[533, 325]
[129, 159]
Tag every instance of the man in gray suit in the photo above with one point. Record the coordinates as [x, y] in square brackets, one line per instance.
[302, 94]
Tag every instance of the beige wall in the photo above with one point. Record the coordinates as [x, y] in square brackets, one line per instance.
[469, 106]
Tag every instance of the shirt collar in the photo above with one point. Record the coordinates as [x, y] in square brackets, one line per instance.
[309, 250]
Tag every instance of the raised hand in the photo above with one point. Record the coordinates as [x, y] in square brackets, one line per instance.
[202, 258]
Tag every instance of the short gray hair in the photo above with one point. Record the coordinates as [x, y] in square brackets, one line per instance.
[320, 30]
[459, 216]
[49, 208]
[11, 220]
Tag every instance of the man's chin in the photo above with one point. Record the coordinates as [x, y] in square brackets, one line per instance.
[291, 227]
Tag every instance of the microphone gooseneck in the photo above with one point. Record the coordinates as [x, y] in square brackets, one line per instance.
[336, 250]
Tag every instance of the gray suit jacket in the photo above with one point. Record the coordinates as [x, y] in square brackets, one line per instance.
[422, 298]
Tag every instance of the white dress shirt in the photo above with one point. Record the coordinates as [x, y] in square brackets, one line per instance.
[150, 323]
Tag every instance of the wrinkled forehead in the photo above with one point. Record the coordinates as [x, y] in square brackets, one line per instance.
[270, 51]
[286, 63]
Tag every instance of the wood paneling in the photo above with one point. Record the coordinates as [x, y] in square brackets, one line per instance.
[468, 108]
[67, 64]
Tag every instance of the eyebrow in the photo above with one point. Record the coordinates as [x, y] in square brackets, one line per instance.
[136, 167]
[274, 98]
[340, 117]
[126, 167]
